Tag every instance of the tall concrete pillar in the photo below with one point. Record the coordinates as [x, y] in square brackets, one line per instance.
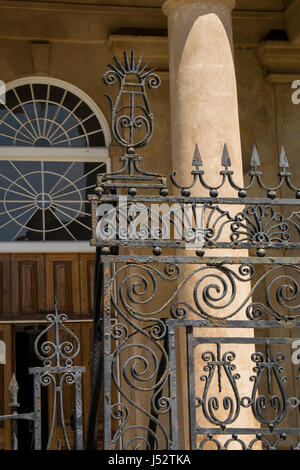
[204, 107]
[204, 110]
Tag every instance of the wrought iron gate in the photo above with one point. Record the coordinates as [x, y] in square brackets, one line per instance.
[199, 331]
[56, 347]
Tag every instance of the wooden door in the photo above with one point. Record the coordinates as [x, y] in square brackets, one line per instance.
[28, 282]
[27, 286]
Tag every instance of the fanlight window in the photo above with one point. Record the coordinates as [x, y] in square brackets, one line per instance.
[43, 190]
[45, 115]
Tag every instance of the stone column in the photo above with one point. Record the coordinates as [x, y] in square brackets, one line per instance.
[204, 107]
[204, 110]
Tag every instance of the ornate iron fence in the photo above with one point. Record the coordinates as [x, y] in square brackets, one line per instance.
[56, 374]
[239, 340]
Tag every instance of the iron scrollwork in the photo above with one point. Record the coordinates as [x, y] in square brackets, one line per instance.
[144, 294]
[56, 373]
[132, 78]
[270, 408]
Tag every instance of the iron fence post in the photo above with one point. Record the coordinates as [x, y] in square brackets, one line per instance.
[14, 406]
[78, 411]
[37, 411]
[106, 358]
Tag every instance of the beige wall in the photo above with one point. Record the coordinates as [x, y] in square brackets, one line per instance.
[80, 49]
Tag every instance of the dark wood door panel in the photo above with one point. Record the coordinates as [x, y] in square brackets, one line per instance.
[28, 284]
[62, 277]
[5, 285]
[87, 271]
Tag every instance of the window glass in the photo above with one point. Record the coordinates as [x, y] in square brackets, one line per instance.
[42, 115]
[44, 200]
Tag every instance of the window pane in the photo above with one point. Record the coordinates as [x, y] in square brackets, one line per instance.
[46, 200]
[44, 115]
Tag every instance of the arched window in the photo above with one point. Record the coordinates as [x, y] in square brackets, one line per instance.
[53, 142]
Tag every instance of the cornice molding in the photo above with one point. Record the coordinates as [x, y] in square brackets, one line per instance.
[279, 56]
[153, 48]
[249, 28]
[281, 78]
[291, 16]
[171, 4]
[79, 8]
[280, 60]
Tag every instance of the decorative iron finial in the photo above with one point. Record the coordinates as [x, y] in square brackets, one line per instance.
[283, 161]
[254, 161]
[228, 175]
[225, 158]
[131, 110]
[131, 114]
[59, 351]
[13, 390]
[197, 158]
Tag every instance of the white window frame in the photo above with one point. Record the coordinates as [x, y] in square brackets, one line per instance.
[80, 154]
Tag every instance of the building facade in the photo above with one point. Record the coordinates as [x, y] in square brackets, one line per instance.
[230, 73]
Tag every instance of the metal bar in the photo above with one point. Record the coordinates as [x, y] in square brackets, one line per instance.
[152, 424]
[106, 357]
[235, 340]
[191, 386]
[185, 244]
[173, 391]
[202, 260]
[249, 431]
[15, 417]
[40, 322]
[93, 200]
[136, 185]
[233, 324]
[97, 372]
[37, 411]
[56, 369]
[91, 438]
[203, 200]
[108, 178]
[78, 411]
[14, 406]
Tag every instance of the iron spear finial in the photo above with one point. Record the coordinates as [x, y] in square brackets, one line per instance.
[226, 162]
[283, 161]
[197, 161]
[254, 161]
[13, 390]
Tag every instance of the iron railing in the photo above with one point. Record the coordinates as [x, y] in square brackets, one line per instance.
[149, 299]
[56, 373]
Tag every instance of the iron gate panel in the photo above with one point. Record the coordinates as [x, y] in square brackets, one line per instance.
[127, 327]
[145, 300]
[272, 432]
[56, 375]
[136, 364]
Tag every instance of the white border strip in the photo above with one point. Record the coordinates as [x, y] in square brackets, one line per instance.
[47, 247]
[93, 154]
